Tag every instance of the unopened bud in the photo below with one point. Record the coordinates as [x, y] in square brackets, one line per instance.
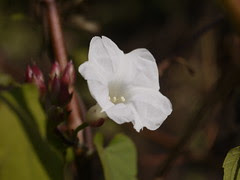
[54, 85]
[55, 70]
[68, 76]
[65, 96]
[95, 117]
[29, 74]
[59, 93]
[34, 75]
[37, 72]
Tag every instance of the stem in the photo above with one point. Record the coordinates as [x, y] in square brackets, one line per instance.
[79, 128]
[56, 34]
[59, 50]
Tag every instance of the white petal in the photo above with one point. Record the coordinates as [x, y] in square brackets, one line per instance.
[151, 108]
[99, 69]
[111, 47]
[97, 84]
[105, 54]
[137, 121]
[91, 72]
[120, 113]
[146, 68]
[100, 93]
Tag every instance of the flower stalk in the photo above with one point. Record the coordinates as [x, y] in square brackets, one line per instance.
[59, 50]
[79, 128]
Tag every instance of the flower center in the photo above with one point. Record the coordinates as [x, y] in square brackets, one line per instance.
[116, 99]
[117, 92]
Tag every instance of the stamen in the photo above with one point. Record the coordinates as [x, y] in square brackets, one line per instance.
[123, 99]
[116, 99]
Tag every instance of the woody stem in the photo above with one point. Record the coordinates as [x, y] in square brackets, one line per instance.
[59, 51]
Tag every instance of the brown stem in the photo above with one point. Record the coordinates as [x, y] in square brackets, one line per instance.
[59, 50]
[56, 34]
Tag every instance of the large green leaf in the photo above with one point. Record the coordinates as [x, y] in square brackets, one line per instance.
[119, 158]
[231, 164]
[24, 151]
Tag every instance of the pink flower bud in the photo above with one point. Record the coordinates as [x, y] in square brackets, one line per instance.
[64, 96]
[37, 72]
[34, 75]
[68, 76]
[55, 70]
[29, 74]
[59, 93]
[55, 85]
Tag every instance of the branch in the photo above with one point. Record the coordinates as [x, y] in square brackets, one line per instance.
[56, 34]
[59, 50]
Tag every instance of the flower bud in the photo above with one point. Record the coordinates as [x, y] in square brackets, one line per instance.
[29, 74]
[34, 75]
[54, 85]
[55, 70]
[37, 72]
[65, 96]
[95, 117]
[68, 76]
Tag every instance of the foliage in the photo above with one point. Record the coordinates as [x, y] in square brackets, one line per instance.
[119, 158]
[231, 164]
[25, 122]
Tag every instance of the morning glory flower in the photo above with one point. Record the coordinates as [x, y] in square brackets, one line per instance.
[125, 86]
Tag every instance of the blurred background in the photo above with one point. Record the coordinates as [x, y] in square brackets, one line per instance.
[197, 47]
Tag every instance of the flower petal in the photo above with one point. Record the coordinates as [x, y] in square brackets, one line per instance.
[111, 47]
[120, 113]
[151, 108]
[105, 54]
[90, 72]
[100, 93]
[146, 68]
[99, 69]
[97, 83]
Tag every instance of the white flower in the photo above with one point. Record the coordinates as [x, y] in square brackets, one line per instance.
[126, 86]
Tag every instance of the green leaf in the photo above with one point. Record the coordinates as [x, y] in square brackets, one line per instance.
[231, 164]
[24, 151]
[119, 158]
